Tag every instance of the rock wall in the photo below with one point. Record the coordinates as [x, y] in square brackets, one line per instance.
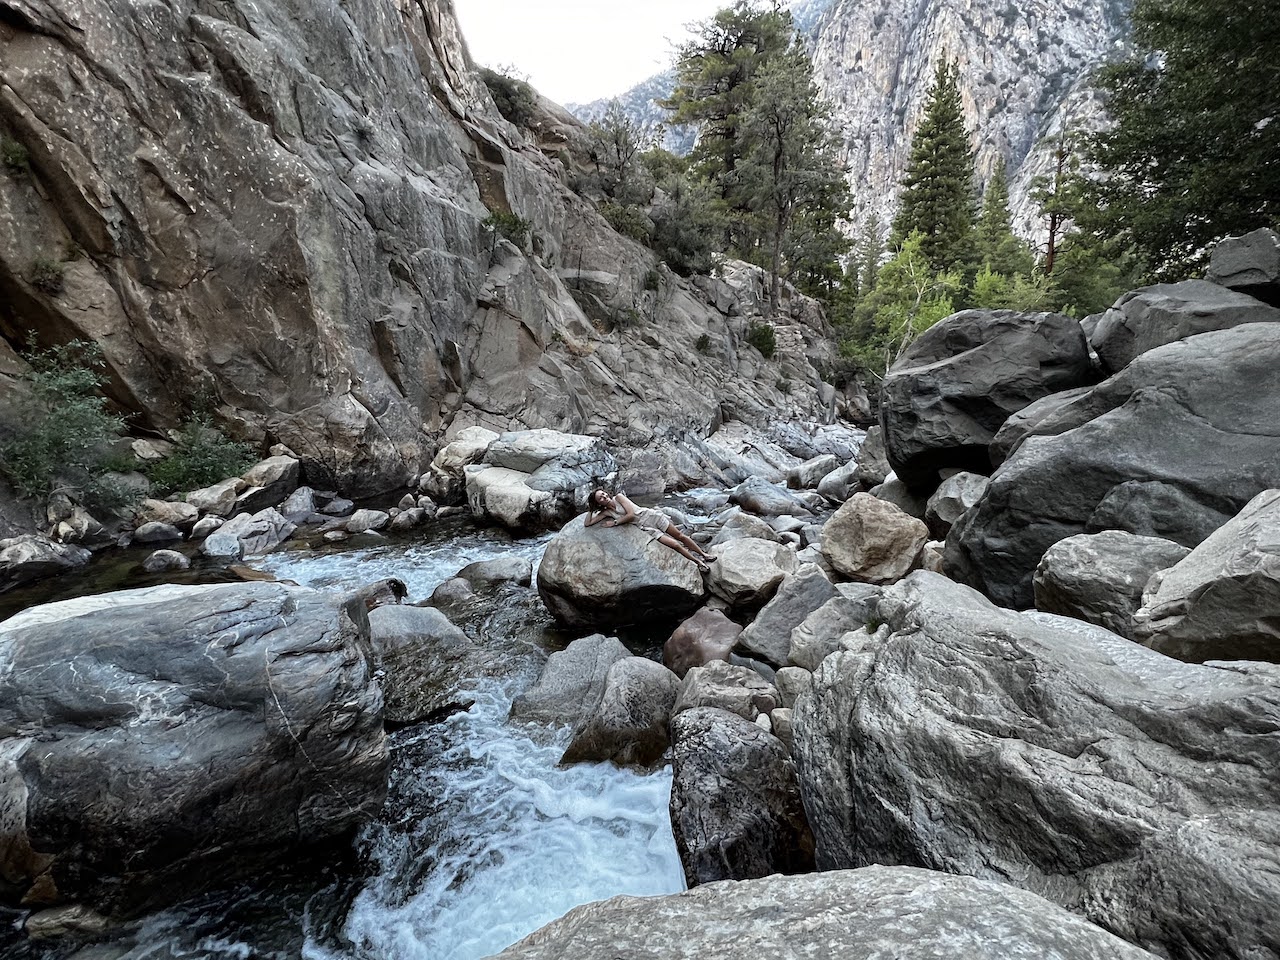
[1022, 68]
[282, 207]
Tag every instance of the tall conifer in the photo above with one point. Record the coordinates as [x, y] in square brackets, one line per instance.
[937, 189]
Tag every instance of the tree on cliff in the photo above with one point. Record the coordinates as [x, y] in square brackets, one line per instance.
[765, 145]
[937, 188]
[1194, 153]
[789, 178]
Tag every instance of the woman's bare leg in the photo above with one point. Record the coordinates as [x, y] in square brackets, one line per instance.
[680, 548]
[678, 534]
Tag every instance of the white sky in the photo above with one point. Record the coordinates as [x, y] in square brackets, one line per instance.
[575, 51]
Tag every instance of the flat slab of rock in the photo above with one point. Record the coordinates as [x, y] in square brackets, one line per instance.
[729, 687]
[425, 657]
[768, 636]
[152, 738]
[1099, 577]
[871, 540]
[954, 387]
[735, 805]
[875, 913]
[1092, 770]
[1173, 447]
[615, 576]
[1222, 601]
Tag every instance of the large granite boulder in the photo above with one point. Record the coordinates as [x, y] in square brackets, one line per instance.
[249, 534]
[615, 576]
[1173, 446]
[764, 499]
[268, 484]
[1099, 577]
[425, 658]
[707, 635]
[571, 683]
[945, 398]
[821, 632]
[1153, 316]
[747, 572]
[768, 636]
[1249, 264]
[32, 557]
[1222, 601]
[875, 913]
[1120, 783]
[808, 475]
[444, 480]
[1023, 424]
[176, 513]
[873, 461]
[156, 740]
[629, 724]
[871, 540]
[735, 523]
[536, 479]
[735, 806]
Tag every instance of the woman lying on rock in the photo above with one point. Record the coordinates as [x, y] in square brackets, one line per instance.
[613, 511]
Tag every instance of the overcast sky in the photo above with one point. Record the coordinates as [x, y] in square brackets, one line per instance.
[579, 50]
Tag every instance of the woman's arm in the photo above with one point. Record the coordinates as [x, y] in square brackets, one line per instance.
[592, 517]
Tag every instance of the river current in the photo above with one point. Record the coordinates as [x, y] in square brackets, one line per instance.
[483, 838]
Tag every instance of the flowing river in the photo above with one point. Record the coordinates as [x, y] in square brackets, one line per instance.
[483, 838]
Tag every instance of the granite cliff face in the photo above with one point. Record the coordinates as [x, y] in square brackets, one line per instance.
[282, 206]
[1022, 73]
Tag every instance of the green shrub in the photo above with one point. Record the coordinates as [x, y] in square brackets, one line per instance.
[627, 220]
[509, 226]
[515, 99]
[203, 456]
[14, 155]
[46, 274]
[762, 337]
[703, 344]
[653, 279]
[67, 445]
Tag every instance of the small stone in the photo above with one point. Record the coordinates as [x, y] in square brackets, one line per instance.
[154, 532]
[163, 560]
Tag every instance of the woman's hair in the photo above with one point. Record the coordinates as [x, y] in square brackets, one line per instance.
[592, 506]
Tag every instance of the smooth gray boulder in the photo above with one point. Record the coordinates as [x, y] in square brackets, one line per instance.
[571, 683]
[299, 505]
[876, 913]
[764, 499]
[841, 483]
[871, 540]
[629, 724]
[536, 479]
[820, 632]
[176, 513]
[1222, 601]
[731, 687]
[1249, 264]
[893, 490]
[425, 659]
[1173, 446]
[444, 480]
[219, 499]
[954, 387]
[735, 806]
[615, 576]
[487, 574]
[1099, 577]
[1131, 787]
[768, 636]
[155, 532]
[33, 557]
[707, 635]
[873, 462]
[161, 739]
[735, 523]
[747, 572]
[809, 474]
[162, 561]
[1163, 313]
[954, 496]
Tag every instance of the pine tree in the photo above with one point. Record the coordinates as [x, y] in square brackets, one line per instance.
[789, 177]
[867, 255]
[994, 244]
[1194, 152]
[937, 189]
